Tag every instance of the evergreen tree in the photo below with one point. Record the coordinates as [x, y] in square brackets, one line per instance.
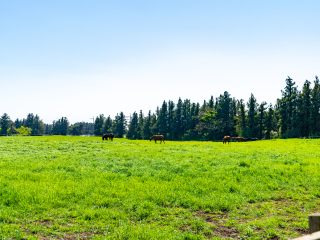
[120, 125]
[193, 114]
[162, 119]
[269, 122]
[211, 103]
[107, 125]
[38, 127]
[252, 113]
[64, 126]
[177, 125]
[29, 121]
[223, 115]
[4, 124]
[140, 125]
[170, 119]
[204, 106]
[193, 121]
[233, 117]
[48, 129]
[315, 116]
[306, 107]
[196, 113]
[147, 127]
[133, 127]
[18, 123]
[153, 125]
[287, 106]
[262, 115]
[241, 118]
[76, 129]
[185, 116]
[60, 127]
[98, 123]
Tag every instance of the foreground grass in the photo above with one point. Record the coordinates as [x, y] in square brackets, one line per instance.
[80, 187]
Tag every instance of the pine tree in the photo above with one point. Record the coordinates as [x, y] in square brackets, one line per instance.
[211, 103]
[233, 117]
[252, 113]
[133, 127]
[269, 122]
[60, 127]
[204, 105]
[98, 123]
[162, 119]
[4, 124]
[153, 125]
[48, 129]
[223, 115]
[241, 126]
[64, 126]
[76, 129]
[315, 116]
[147, 127]
[18, 123]
[29, 121]
[196, 113]
[185, 116]
[287, 107]
[120, 125]
[177, 130]
[262, 115]
[170, 119]
[192, 114]
[306, 107]
[140, 125]
[38, 127]
[107, 125]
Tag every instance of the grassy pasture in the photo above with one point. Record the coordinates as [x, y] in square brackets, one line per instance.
[80, 187]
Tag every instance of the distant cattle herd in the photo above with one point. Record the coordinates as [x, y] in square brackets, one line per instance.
[237, 139]
[226, 139]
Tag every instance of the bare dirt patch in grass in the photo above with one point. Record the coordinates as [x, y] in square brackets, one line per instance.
[218, 220]
[278, 211]
[72, 236]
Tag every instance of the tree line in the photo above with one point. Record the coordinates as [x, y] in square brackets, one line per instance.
[295, 114]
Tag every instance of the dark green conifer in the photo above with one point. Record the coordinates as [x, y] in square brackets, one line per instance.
[252, 114]
[133, 127]
[4, 124]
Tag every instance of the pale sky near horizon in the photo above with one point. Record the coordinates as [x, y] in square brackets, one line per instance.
[79, 59]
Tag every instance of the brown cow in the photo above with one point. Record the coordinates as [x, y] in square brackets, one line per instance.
[108, 135]
[242, 139]
[226, 139]
[235, 139]
[157, 137]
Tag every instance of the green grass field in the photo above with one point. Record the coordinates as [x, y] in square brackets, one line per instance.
[83, 188]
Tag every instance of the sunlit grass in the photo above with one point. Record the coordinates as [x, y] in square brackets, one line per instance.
[58, 187]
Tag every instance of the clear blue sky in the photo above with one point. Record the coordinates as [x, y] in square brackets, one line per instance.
[79, 59]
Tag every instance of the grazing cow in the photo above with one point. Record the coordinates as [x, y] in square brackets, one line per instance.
[235, 139]
[241, 139]
[157, 137]
[108, 136]
[226, 139]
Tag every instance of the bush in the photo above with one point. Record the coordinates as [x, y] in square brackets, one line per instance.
[24, 131]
